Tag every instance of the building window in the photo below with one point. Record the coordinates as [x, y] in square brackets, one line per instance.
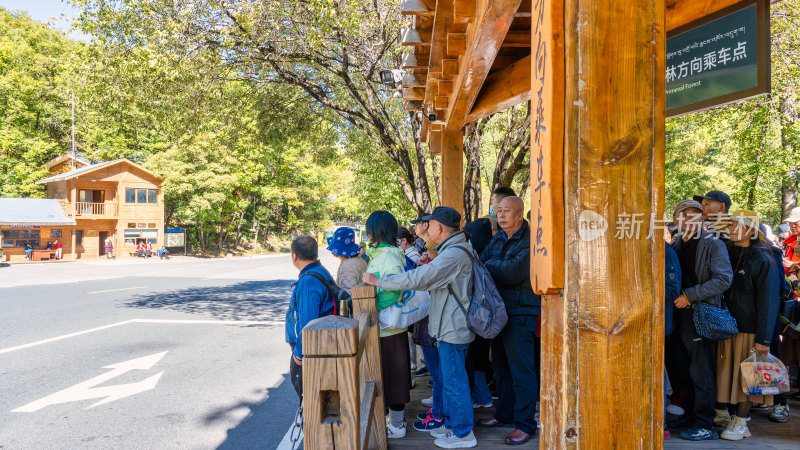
[91, 196]
[34, 242]
[78, 237]
[55, 233]
[8, 243]
[149, 196]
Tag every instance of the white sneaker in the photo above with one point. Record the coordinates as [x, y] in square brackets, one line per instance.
[440, 432]
[395, 432]
[427, 402]
[451, 441]
[780, 414]
[675, 410]
[481, 405]
[723, 418]
[737, 430]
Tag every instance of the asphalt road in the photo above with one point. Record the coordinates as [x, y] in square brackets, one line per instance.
[185, 353]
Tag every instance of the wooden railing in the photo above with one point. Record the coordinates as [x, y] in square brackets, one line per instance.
[343, 405]
[95, 209]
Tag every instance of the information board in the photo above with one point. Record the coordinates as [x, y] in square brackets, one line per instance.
[719, 59]
[174, 239]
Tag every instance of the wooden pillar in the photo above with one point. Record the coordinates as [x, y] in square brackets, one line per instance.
[331, 399]
[370, 366]
[453, 170]
[603, 338]
[72, 250]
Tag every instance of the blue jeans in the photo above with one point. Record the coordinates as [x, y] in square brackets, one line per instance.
[435, 369]
[457, 403]
[514, 355]
[480, 390]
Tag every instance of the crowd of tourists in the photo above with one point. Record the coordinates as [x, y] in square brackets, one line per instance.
[715, 257]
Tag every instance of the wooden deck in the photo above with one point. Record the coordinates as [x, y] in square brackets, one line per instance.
[766, 434]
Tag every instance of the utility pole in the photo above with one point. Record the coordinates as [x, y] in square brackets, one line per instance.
[72, 95]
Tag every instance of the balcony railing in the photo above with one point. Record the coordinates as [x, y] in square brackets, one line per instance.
[96, 209]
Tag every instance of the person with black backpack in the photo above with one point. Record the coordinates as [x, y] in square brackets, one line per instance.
[311, 299]
[449, 278]
[515, 351]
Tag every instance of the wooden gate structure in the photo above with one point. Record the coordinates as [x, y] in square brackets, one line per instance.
[594, 71]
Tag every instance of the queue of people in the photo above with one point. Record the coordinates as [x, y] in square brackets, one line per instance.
[722, 259]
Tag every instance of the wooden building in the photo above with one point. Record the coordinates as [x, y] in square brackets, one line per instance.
[35, 221]
[116, 199]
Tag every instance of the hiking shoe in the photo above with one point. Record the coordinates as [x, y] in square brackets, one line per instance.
[675, 410]
[760, 407]
[429, 423]
[723, 418]
[450, 440]
[737, 430]
[393, 432]
[699, 434]
[427, 402]
[421, 371]
[780, 414]
[482, 405]
[423, 415]
[440, 432]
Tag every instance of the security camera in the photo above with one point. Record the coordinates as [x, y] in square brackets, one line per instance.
[432, 117]
[391, 77]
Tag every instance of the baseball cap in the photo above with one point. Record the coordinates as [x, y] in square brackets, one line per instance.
[445, 215]
[686, 204]
[717, 196]
[419, 218]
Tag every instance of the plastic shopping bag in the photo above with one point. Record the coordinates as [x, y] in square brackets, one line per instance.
[410, 309]
[764, 375]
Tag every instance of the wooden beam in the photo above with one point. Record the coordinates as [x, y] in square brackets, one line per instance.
[445, 87]
[435, 142]
[457, 44]
[492, 23]
[440, 102]
[413, 94]
[442, 22]
[449, 68]
[603, 335]
[681, 12]
[412, 105]
[410, 37]
[464, 9]
[503, 89]
[517, 39]
[453, 170]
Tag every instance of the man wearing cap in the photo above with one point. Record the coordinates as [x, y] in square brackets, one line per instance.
[706, 275]
[447, 323]
[715, 212]
[515, 351]
[421, 231]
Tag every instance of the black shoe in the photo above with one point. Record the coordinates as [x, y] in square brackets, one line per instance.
[421, 371]
[700, 434]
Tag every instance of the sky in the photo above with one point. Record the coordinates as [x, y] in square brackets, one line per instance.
[58, 14]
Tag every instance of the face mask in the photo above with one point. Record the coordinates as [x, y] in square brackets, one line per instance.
[491, 211]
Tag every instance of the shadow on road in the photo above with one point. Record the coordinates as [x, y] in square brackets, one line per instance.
[267, 422]
[250, 300]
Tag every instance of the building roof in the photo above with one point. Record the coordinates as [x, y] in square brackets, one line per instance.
[93, 167]
[79, 159]
[32, 211]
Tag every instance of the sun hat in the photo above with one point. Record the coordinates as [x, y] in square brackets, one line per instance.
[794, 216]
[749, 219]
[343, 243]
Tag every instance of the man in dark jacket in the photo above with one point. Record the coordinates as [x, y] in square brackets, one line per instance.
[507, 257]
[310, 300]
[706, 275]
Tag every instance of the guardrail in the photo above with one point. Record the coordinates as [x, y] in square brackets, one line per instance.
[343, 403]
[95, 209]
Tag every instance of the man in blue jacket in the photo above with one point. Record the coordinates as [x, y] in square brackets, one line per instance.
[310, 300]
[515, 350]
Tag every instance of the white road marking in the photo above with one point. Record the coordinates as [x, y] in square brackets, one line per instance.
[163, 321]
[86, 389]
[121, 289]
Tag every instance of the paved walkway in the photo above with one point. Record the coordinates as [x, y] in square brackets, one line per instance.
[766, 434]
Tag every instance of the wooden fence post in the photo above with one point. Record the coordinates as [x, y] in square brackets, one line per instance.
[331, 398]
[370, 366]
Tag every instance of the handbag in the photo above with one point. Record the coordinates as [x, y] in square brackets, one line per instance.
[713, 323]
[410, 309]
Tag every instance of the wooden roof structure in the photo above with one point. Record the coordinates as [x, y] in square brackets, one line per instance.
[469, 59]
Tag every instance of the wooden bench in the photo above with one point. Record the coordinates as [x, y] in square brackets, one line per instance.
[43, 255]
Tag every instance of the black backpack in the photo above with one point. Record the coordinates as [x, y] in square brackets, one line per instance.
[337, 294]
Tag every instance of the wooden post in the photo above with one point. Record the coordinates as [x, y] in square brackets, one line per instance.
[603, 336]
[453, 170]
[331, 400]
[370, 365]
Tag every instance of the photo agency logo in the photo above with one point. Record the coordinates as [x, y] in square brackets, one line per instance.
[591, 225]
